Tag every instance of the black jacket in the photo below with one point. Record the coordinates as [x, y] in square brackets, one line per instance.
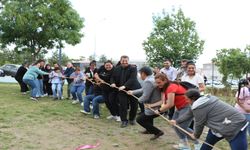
[125, 77]
[88, 83]
[68, 72]
[20, 73]
[105, 75]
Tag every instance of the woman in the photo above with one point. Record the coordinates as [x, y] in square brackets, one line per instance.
[46, 81]
[223, 121]
[78, 86]
[243, 99]
[173, 95]
[89, 72]
[192, 77]
[30, 78]
[19, 77]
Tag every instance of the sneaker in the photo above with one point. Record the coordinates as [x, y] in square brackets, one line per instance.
[75, 101]
[111, 117]
[197, 146]
[118, 119]
[124, 124]
[82, 104]
[34, 99]
[96, 117]
[156, 136]
[85, 112]
[91, 106]
[181, 146]
[24, 93]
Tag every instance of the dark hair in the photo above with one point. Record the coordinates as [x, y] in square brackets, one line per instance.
[146, 70]
[25, 63]
[124, 56]
[242, 82]
[77, 69]
[108, 61]
[193, 94]
[163, 77]
[184, 60]
[56, 68]
[168, 60]
[190, 62]
[40, 60]
[92, 62]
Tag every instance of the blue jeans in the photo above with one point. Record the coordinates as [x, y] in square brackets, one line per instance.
[33, 86]
[57, 89]
[95, 102]
[38, 93]
[76, 91]
[238, 143]
[185, 125]
[248, 119]
[41, 86]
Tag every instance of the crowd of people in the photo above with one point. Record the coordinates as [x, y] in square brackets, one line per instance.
[161, 91]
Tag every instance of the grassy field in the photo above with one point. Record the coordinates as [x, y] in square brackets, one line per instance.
[58, 125]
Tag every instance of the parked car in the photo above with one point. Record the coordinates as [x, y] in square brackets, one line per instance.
[2, 73]
[10, 69]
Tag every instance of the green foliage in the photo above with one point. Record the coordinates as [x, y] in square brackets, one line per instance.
[174, 36]
[55, 57]
[37, 25]
[232, 62]
[102, 58]
[16, 57]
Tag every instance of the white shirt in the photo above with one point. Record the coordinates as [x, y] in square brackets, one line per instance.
[195, 80]
[170, 72]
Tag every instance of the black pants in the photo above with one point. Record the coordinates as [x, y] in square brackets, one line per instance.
[47, 88]
[23, 86]
[126, 101]
[171, 113]
[111, 102]
[141, 105]
[147, 122]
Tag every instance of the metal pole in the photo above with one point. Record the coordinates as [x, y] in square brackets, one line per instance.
[60, 56]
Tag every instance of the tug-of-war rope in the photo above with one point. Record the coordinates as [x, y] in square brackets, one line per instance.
[163, 117]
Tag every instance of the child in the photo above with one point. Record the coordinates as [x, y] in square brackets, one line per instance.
[56, 81]
[243, 99]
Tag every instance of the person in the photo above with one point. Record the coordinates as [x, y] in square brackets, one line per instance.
[171, 74]
[223, 121]
[168, 70]
[103, 76]
[156, 70]
[19, 77]
[192, 77]
[70, 69]
[124, 77]
[243, 99]
[182, 70]
[39, 80]
[173, 96]
[47, 86]
[31, 75]
[56, 81]
[78, 86]
[89, 73]
[150, 94]
[57, 65]
[96, 98]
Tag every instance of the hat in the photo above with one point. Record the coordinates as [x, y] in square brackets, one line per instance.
[146, 70]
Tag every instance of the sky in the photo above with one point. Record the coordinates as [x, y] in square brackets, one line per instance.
[119, 27]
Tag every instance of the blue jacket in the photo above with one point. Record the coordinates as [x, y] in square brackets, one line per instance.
[33, 72]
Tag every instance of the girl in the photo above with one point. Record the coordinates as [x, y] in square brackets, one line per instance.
[56, 81]
[243, 99]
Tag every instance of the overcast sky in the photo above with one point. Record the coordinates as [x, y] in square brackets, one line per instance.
[117, 27]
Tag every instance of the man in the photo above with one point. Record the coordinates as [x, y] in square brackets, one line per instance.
[67, 74]
[125, 78]
[182, 70]
[150, 94]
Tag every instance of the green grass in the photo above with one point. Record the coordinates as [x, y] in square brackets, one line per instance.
[54, 125]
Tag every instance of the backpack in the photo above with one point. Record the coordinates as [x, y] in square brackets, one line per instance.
[186, 85]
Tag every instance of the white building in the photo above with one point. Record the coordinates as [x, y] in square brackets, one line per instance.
[210, 70]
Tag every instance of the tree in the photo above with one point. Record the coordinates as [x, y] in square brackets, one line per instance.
[231, 62]
[55, 57]
[103, 58]
[35, 26]
[174, 37]
[91, 57]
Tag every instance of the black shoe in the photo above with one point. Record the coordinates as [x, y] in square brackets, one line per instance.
[55, 98]
[145, 132]
[132, 122]
[156, 136]
[124, 124]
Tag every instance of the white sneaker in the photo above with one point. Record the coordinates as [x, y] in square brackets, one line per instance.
[111, 117]
[85, 112]
[181, 146]
[118, 118]
[75, 102]
[33, 98]
[91, 106]
[96, 117]
[82, 104]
